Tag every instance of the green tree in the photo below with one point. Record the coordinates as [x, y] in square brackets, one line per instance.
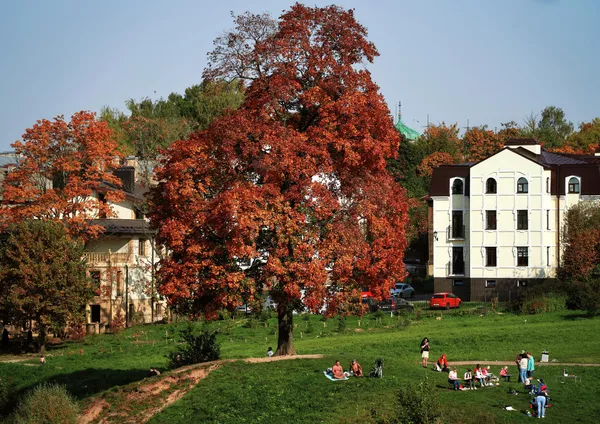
[42, 276]
[552, 129]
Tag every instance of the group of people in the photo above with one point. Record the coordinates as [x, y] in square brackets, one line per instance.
[526, 365]
[339, 374]
[524, 362]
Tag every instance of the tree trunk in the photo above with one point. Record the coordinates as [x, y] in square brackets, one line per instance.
[285, 338]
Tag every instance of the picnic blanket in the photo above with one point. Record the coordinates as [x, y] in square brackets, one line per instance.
[330, 377]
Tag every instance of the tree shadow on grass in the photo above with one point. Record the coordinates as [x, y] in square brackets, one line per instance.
[80, 384]
[577, 316]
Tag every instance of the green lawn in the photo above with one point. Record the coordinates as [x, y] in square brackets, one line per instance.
[296, 391]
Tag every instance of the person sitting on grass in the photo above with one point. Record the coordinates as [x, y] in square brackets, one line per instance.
[479, 376]
[468, 377]
[442, 363]
[453, 378]
[504, 374]
[356, 369]
[338, 371]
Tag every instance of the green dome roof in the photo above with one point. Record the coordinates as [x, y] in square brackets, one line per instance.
[408, 133]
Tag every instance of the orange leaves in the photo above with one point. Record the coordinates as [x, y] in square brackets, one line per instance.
[289, 192]
[433, 161]
[61, 164]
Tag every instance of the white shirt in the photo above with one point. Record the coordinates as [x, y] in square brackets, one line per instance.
[452, 375]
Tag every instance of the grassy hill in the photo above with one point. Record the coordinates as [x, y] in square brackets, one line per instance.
[296, 391]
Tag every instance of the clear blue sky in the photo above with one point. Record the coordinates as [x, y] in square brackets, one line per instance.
[488, 61]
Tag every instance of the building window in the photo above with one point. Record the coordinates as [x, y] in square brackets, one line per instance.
[548, 219]
[522, 185]
[490, 220]
[158, 309]
[458, 283]
[522, 223]
[522, 256]
[490, 284]
[457, 187]
[102, 205]
[142, 247]
[547, 184]
[458, 229]
[491, 186]
[547, 255]
[96, 276]
[138, 213]
[458, 262]
[574, 185]
[119, 283]
[490, 256]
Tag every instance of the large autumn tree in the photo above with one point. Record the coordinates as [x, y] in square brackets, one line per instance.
[580, 261]
[289, 193]
[42, 276]
[60, 165]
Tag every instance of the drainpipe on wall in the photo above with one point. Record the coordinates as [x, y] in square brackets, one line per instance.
[127, 317]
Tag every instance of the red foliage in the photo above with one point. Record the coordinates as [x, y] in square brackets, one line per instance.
[60, 165]
[433, 161]
[482, 143]
[295, 179]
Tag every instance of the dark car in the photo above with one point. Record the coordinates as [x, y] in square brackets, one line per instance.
[444, 301]
[390, 304]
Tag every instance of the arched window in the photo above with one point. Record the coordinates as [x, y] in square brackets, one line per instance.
[547, 184]
[522, 185]
[457, 187]
[490, 186]
[573, 185]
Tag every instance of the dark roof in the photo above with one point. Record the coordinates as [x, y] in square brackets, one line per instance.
[440, 179]
[560, 159]
[562, 165]
[521, 142]
[124, 226]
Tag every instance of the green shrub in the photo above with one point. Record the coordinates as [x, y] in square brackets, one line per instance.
[196, 348]
[584, 294]
[250, 323]
[378, 314]
[417, 404]
[310, 328]
[47, 404]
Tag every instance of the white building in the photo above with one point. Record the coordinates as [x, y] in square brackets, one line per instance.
[495, 225]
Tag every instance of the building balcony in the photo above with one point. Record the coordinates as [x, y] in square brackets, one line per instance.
[106, 257]
[455, 268]
[455, 232]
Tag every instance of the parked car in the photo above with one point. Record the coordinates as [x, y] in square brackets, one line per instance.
[402, 290]
[366, 294]
[390, 304]
[444, 300]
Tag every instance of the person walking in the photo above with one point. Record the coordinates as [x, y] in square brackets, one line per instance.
[425, 351]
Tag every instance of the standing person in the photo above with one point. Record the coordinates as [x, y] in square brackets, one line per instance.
[453, 378]
[530, 365]
[541, 400]
[518, 361]
[425, 351]
[523, 367]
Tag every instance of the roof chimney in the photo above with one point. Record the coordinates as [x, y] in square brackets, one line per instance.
[527, 143]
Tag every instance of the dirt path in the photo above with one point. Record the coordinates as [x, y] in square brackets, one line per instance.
[563, 364]
[140, 401]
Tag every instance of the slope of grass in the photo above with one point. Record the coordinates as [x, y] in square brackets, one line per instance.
[105, 361]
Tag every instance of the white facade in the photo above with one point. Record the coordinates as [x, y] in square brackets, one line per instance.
[511, 208]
